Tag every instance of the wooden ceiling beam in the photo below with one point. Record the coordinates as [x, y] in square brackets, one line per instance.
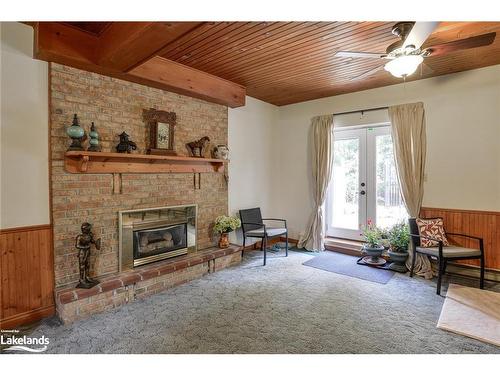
[66, 45]
[189, 81]
[124, 45]
[63, 44]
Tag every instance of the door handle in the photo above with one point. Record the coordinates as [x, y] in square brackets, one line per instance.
[362, 192]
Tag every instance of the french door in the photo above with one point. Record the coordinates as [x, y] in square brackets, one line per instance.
[364, 184]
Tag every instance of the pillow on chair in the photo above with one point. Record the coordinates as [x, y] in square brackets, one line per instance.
[433, 228]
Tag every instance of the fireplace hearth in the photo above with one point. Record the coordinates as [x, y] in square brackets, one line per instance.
[153, 234]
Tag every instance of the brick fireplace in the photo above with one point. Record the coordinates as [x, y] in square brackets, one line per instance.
[115, 106]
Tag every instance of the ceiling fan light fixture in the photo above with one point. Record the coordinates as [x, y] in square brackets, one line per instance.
[403, 66]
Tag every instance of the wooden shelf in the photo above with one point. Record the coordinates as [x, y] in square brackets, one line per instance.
[110, 162]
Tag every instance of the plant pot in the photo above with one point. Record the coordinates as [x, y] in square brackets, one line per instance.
[224, 240]
[398, 259]
[374, 252]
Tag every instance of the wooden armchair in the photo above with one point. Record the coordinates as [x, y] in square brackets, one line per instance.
[252, 225]
[445, 253]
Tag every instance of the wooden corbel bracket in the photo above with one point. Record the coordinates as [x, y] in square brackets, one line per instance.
[84, 163]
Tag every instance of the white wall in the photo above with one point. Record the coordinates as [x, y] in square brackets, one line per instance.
[251, 135]
[24, 176]
[463, 141]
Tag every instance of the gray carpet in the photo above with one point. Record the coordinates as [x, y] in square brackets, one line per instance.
[284, 307]
[346, 265]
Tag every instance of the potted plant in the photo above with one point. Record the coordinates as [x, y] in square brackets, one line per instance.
[224, 225]
[384, 237]
[372, 246]
[399, 238]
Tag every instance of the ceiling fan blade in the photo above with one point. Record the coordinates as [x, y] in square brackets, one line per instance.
[369, 55]
[457, 45]
[419, 33]
[367, 73]
[425, 70]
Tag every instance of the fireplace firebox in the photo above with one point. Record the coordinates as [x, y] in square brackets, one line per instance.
[153, 234]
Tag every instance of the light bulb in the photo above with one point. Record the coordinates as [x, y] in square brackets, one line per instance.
[403, 66]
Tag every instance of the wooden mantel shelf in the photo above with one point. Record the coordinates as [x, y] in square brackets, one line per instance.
[110, 162]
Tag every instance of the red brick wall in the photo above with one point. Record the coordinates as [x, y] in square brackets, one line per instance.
[116, 106]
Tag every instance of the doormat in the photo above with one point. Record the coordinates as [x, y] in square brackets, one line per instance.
[346, 265]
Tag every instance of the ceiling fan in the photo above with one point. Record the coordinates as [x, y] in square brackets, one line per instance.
[405, 55]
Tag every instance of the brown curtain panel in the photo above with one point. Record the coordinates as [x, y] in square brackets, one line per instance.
[409, 139]
[322, 165]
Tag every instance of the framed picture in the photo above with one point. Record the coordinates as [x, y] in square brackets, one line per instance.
[161, 131]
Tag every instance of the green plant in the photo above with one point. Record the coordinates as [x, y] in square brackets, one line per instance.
[384, 237]
[399, 237]
[384, 233]
[372, 235]
[226, 224]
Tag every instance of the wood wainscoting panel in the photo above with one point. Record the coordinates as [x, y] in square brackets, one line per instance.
[484, 224]
[26, 275]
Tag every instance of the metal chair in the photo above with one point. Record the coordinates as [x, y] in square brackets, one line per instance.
[252, 225]
[445, 253]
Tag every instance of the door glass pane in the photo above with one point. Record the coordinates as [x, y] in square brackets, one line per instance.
[389, 206]
[345, 212]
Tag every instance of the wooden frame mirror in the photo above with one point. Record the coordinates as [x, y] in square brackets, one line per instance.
[161, 131]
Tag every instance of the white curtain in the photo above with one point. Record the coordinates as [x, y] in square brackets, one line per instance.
[322, 165]
[409, 139]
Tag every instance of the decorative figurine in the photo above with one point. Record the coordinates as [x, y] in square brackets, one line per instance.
[221, 152]
[125, 144]
[83, 243]
[77, 135]
[94, 140]
[197, 148]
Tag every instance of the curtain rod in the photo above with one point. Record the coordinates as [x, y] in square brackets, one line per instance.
[360, 110]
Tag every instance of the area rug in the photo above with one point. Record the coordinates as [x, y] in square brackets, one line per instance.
[346, 265]
[472, 312]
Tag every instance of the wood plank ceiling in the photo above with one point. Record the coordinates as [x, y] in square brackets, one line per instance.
[289, 62]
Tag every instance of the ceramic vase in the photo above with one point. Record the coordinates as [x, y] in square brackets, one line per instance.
[76, 133]
[224, 240]
[94, 140]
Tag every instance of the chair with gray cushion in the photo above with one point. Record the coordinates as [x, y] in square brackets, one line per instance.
[252, 225]
[445, 253]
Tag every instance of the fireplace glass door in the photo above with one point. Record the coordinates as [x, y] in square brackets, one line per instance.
[150, 242]
[153, 234]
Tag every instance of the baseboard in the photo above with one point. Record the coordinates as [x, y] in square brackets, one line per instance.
[270, 241]
[472, 271]
[293, 241]
[27, 317]
[290, 240]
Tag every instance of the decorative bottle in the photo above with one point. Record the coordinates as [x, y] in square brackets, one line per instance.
[94, 139]
[77, 134]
